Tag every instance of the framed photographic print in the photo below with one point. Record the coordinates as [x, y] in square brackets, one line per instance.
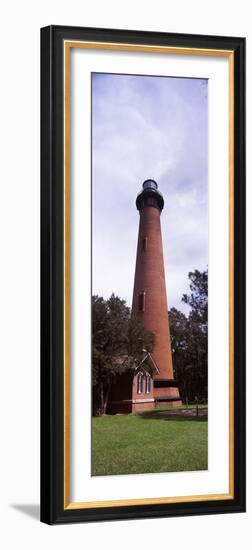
[142, 274]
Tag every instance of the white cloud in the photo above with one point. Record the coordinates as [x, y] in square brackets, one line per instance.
[148, 127]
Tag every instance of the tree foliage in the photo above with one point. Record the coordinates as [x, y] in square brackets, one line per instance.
[189, 339]
[117, 345]
[118, 340]
[198, 299]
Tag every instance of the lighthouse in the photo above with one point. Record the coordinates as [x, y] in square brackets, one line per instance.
[151, 384]
[149, 303]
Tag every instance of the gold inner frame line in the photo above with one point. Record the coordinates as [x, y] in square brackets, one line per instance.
[68, 45]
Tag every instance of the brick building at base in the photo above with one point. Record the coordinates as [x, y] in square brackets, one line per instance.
[134, 391]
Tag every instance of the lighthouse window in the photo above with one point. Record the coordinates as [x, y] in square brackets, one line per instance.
[144, 244]
[141, 301]
[140, 383]
[148, 384]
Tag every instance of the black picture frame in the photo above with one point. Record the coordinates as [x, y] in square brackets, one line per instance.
[52, 276]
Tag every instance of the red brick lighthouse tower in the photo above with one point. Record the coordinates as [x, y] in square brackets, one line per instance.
[149, 296]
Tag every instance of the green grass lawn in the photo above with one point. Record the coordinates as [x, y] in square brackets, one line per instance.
[150, 442]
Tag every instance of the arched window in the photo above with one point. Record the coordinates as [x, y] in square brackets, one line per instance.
[140, 383]
[148, 383]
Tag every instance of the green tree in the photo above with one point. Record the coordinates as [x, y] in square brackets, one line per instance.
[198, 299]
[198, 319]
[189, 337]
[117, 345]
[179, 344]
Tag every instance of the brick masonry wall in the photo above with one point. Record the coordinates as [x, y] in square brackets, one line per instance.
[169, 392]
[139, 407]
[150, 278]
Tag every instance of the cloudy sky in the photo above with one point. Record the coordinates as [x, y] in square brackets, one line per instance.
[148, 127]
